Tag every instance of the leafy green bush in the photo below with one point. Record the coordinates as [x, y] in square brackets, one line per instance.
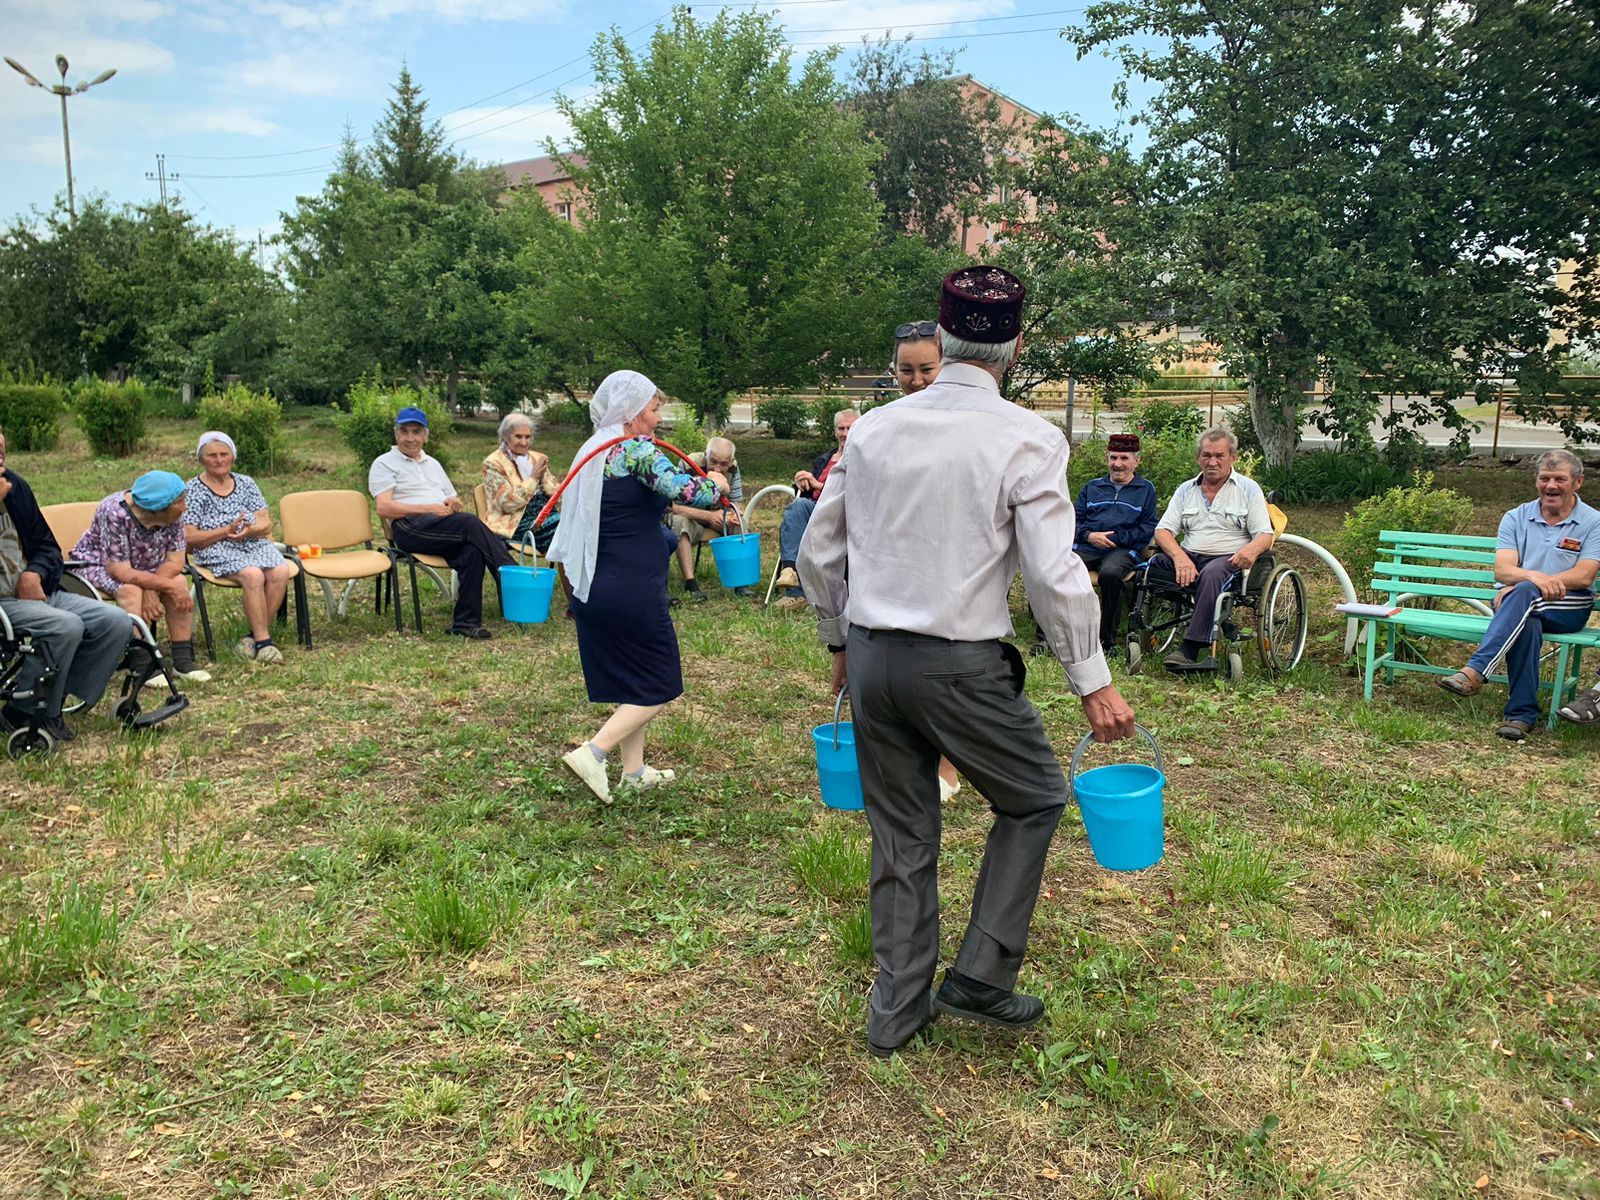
[30, 415]
[251, 420]
[470, 395]
[162, 401]
[1419, 508]
[1328, 475]
[368, 425]
[1165, 461]
[786, 416]
[1163, 418]
[112, 415]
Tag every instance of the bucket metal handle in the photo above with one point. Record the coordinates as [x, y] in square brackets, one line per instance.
[837, 705]
[1088, 740]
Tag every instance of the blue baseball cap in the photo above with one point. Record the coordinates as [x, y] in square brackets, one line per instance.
[411, 416]
[156, 490]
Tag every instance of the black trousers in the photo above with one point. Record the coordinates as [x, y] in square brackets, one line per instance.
[1113, 566]
[467, 544]
[912, 697]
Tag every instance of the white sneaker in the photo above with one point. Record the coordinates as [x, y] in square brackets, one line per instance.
[270, 654]
[947, 791]
[649, 778]
[582, 763]
[195, 676]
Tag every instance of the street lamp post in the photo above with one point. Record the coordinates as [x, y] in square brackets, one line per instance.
[61, 89]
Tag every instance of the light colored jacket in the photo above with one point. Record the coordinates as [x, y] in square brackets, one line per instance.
[506, 492]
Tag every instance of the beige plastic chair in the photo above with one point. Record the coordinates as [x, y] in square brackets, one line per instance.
[341, 523]
[68, 523]
[203, 577]
[480, 505]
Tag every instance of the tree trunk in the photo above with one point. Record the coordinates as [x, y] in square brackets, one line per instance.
[450, 382]
[1072, 395]
[1275, 412]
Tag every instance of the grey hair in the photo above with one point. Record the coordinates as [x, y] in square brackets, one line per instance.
[720, 446]
[1573, 463]
[1219, 433]
[844, 412]
[997, 356]
[513, 421]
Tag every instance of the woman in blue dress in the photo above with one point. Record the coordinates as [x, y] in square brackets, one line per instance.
[229, 531]
[611, 543]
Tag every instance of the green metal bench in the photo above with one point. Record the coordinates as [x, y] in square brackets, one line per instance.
[1456, 568]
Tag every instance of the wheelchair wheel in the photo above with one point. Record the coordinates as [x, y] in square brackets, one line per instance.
[1281, 627]
[1235, 666]
[1162, 619]
[29, 741]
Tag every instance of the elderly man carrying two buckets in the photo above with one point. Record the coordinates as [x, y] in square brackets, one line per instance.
[921, 653]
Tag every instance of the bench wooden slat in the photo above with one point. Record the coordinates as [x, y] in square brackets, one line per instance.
[1444, 590]
[1440, 554]
[1404, 571]
[1462, 541]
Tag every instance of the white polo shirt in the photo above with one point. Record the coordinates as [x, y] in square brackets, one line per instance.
[1236, 515]
[413, 481]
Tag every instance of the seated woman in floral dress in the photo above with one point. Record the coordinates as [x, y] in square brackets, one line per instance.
[229, 531]
[517, 482]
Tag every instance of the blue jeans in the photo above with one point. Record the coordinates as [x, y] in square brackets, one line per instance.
[86, 640]
[790, 530]
[1521, 619]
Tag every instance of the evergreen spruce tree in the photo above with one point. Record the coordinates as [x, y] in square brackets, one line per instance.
[407, 151]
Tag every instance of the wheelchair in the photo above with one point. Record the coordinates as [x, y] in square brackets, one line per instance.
[1272, 593]
[141, 663]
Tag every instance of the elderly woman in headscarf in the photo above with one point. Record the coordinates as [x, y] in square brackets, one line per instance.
[133, 551]
[516, 483]
[228, 530]
[610, 542]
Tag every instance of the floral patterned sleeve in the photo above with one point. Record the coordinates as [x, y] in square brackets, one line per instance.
[640, 458]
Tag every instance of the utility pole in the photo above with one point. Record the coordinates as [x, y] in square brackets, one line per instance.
[61, 89]
[161, 176]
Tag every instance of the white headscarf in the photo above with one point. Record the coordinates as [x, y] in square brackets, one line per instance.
[215, 435]
[621, 396]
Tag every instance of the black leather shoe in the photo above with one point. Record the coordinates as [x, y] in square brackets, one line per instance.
[973, 1001]
[475, 633]
[60, 730]
[879, 1050]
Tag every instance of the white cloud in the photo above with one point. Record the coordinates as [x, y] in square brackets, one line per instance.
[224, 120]
[874, 18]
[309, 72]
[95, 12]
[36, 49]
[354, 14]
[491, 136]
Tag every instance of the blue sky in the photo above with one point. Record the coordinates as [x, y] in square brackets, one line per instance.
[246, 100]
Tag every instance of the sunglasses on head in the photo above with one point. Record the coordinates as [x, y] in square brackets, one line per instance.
[915, 329]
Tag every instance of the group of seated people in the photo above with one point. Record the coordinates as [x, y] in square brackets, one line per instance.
[1216, 524]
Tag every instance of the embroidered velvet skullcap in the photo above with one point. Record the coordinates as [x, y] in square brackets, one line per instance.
[1124, 443]
[156, 490]
[982, 304]
[215, 435]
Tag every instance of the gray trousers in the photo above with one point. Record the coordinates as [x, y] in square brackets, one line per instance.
[913, 697]
[86, 639]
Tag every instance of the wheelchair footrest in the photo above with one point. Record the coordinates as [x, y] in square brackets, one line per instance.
[157, 715]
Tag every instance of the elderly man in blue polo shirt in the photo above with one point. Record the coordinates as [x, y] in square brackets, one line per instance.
[1220, 518]
[1546, 555]
[416, 496]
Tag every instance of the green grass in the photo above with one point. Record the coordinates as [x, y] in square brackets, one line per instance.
[347, 928]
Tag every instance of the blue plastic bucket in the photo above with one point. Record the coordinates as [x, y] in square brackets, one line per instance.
[837, 770]
[525, 594]
[738, 558]
[1121, 809]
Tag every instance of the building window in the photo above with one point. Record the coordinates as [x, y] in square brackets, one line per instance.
[564, 211]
